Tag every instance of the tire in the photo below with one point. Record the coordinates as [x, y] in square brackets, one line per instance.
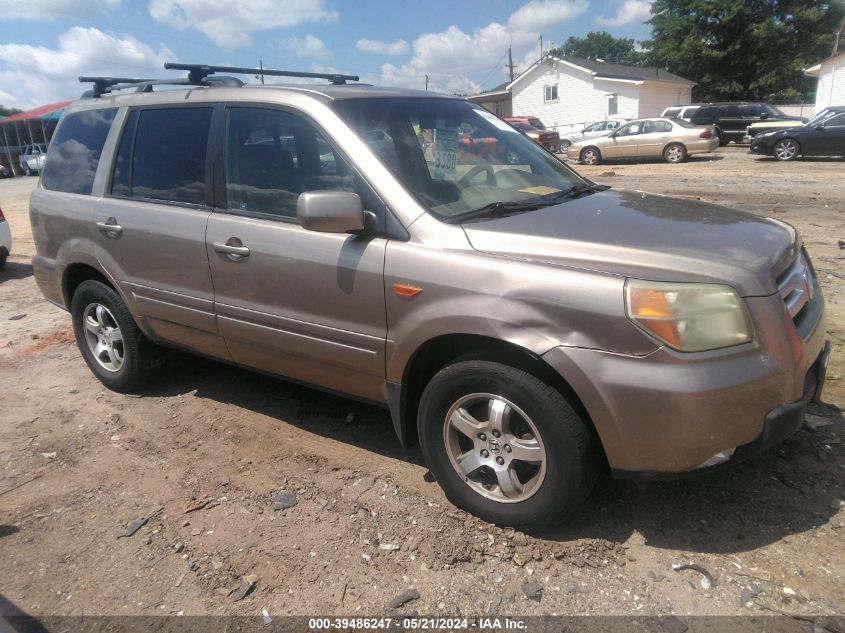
[590, 156]
[27, 171]
[2, 260]
[675, 153]
[564, 146]
[559, 468]
[126, 358]
[786, 149]
[722, 140]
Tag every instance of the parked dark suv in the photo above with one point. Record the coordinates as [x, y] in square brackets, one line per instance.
[732, 119]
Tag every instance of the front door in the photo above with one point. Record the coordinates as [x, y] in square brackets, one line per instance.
[302, 304]
[151, 224]
[827, 140]
[623, 143]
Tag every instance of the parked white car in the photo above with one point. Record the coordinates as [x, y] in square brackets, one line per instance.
[32, 158]
[5, 239]
[599, 128]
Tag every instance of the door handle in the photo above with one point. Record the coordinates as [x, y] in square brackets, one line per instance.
[110, 228]
[231, 251]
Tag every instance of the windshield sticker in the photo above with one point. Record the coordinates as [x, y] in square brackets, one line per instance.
[445, 150]
[492, 118]
[540, 190]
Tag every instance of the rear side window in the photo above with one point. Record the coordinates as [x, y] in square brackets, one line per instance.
[752, 111]
[162, 155]
[75, 151]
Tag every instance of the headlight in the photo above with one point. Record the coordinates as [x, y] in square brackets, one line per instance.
[688, 317]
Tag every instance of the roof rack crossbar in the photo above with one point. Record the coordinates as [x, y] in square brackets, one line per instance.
[200, 75]
[198, 72]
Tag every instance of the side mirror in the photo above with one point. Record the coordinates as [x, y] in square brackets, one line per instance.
[764, 115]
[330, 211]
[819, 126]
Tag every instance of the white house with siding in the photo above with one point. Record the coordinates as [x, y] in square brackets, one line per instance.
[569, 92]
[831, 87]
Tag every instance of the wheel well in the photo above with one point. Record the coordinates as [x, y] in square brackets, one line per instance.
[439, 352]
[668, 145]
[75, 274]
[584, 149]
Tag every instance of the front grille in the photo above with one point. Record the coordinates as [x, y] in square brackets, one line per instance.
[798, 288]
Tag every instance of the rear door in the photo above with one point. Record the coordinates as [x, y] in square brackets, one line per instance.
[655, 136]
[731, 121]
[152, 221]
[298, 303]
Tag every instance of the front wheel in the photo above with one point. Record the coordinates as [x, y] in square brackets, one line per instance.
[27, 171]
[785, 149]
[590, 156]
[504, 445]
[120, 356]
[564, 146]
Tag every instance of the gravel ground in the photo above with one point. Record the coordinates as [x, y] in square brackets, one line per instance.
[204, 451]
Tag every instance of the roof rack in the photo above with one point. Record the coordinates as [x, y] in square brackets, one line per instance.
[198, 72]
[199, 75]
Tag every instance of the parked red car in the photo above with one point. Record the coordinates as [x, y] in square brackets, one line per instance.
[535, 130]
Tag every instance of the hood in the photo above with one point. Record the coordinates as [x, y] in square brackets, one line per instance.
[647, 236]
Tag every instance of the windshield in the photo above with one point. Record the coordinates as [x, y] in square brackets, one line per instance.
[454, 156]
[824, 115]
[772, 110]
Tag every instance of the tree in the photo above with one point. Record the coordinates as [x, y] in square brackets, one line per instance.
[4, 111]
[600, 45]
[743, 49]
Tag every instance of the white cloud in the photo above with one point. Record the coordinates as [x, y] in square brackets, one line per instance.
[629, 11]
[540, 14]
[452, 57]
[399, 47]
[308, 47]
[229, 24]
[35, 75]
[51, 9]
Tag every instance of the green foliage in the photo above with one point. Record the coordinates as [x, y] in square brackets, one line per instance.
[601, 45]
[743, 49]
[4, 111]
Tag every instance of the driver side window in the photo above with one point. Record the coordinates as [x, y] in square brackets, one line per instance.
[630, 129]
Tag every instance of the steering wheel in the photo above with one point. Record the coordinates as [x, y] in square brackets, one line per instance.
[472, 173]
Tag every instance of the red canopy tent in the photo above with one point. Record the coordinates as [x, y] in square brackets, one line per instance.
[45, 116]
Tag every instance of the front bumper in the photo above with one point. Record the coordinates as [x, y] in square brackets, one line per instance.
[666, 414]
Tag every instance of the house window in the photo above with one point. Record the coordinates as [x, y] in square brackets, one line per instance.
[612, 105]
[551, 93]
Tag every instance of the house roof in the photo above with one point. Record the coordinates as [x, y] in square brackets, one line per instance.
[49, 111]
[815, 69]
[605, 70]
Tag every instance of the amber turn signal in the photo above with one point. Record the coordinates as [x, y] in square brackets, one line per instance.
[406, 290]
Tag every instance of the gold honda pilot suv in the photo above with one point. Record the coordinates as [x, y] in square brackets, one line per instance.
[526, 325]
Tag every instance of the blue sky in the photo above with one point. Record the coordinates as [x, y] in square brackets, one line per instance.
[460, 44]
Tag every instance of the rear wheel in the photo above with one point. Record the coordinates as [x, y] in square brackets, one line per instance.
[564, 146]
[114, 348]
[785, 149]
[504, 445]
[723, 140]
[27, 171]
[675, 153]
[590, 156]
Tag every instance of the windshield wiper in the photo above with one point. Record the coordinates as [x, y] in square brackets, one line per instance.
[575, 191]
[496, 210]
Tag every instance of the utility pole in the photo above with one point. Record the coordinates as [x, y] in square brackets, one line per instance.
[509, 65]
[261, 76]
[541, 47]
[838, 37]
[426, 83]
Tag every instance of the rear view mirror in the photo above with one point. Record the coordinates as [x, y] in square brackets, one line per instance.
[330, 211]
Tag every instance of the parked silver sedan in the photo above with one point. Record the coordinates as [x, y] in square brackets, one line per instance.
[672, 139]
[594, 130]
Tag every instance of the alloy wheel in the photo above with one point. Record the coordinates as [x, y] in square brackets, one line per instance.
[786, 149]
[495, 447]
[104, 338]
